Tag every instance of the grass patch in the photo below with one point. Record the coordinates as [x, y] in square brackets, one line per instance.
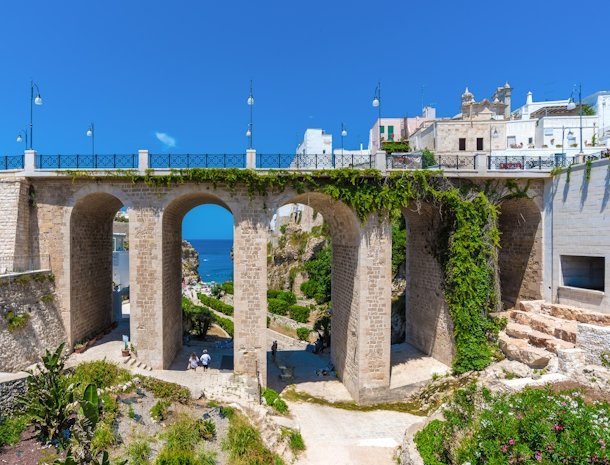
[160, 410]
[244, 444]
[101, 373]
[16, 322]
[166, 390]
[274, 400]
[295, 440]
[138, 452]
[11, 429]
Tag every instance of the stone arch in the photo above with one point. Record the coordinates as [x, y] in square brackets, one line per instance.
[174, 209]
[428, 324]
[520, 259]
[90, 262]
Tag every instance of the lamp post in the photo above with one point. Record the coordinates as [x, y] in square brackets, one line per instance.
[91, 133]
[343, 135]
[23, 132]
[377, 104]
[493, 134]
[572, 105]
[250, 104]
[37, 101]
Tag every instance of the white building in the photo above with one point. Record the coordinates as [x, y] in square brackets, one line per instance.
[120, 262]
[315, 151]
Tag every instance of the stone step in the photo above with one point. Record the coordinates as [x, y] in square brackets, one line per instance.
[522, 351]
[133, 362]
[126, 359]
[579, 315]
[548, 342]
[553, 326]
[533, 306]
[518, 331]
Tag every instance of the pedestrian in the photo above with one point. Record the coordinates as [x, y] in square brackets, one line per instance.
[193, 362]
[205, 359]
[273, 350]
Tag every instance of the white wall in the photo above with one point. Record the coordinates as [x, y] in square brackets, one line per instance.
[120, 268]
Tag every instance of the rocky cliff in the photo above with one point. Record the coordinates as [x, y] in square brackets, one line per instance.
[190, 263]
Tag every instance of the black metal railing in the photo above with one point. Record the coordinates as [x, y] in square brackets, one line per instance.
[65, 162]
[404, 162]
[22, 263]
[196, 160]
[11, 162]
[530, 162]
[313, 161]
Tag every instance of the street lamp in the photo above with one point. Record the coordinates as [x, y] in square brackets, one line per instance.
[343, 134]
[37, 101]
[91, 133]
[377, 104]
[250, 104]
[493, 134]
[572, 105]
[23, 132]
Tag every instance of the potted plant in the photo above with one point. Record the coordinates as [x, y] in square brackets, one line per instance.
[125, 350]
[80, 347]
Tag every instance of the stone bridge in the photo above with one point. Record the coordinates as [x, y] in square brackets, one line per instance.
[71, 222]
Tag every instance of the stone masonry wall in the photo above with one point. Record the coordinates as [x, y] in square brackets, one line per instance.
[14, 233]
[520, 255]
[33, 294]
[428, 324]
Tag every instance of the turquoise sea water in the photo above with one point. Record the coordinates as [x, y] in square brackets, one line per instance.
[215, 262]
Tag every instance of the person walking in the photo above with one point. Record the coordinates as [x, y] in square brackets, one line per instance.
[193, 362]
[273, 350]
[205, 359]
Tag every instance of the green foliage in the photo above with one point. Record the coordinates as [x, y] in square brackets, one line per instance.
[323, 324]
[216, 304]
[283, 228]
[138, 452]
[183, 434]
[227, 286]
[588, 165]
[47, 298]
[427, 159]
[103, 437]
[286, 296]
[295, 440]
[299, 313]
[244, 444]
[303, 333]
[206, 428]
[319, 271]
[274, 400]
[605, 359]
[160, 410]
[568, 173]
[277, 306]
[16, 322]
[49, 396]
[588, 110]
[102, 373]
[399, 240]
[169, 456]
[398, 146]
[200, 318]
[166, 390]
[225, 324]
[531, 426]
[11, 429]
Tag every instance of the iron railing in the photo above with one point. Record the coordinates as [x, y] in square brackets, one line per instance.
[530, 162]
[196, 160]
[313, 161]
[66, 162]
[404, 161]
[11, 162]
[22, 263]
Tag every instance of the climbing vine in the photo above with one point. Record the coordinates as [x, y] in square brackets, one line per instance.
[588, 165]
[467, 246]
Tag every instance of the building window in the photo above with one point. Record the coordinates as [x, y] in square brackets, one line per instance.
[530, 140]
[511, 141]
[583, 272]
[381, 129]
[479, 143]
[390, 132]
[462, 144]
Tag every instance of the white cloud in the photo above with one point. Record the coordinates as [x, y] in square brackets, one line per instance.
[166, 139]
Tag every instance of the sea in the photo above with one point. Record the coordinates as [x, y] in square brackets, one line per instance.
[215, 262]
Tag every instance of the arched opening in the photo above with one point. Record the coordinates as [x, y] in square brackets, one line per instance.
[520, 255]
[197, 231]
[428, 324]
[95, 296]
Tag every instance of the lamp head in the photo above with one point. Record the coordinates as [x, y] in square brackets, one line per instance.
[89, 132]
[38, 100]
[375, 102]
[250, 100]
[343, 133]
[19, 139]
[248, 133]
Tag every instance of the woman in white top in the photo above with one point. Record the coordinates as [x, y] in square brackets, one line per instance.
[193, 362]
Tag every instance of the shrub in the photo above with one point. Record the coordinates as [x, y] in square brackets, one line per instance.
[16, 322]
[244, 444]
[277, 306]
[206, 429]
[530, 426]
[159, 411]
[427, 159]
[216, 304]
[183, 434]
[101, 373]
[166, 390]
[138, 452]
[11, 429]
[318, 270]
[303, 333]
[228, 287]
[103, 437]
[199, 317]
[225, 324]
[286, 296]
[299, 313]
[169, 456]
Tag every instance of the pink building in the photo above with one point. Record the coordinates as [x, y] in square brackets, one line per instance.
[397, 129]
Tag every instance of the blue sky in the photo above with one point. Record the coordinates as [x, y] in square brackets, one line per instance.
[138, 68]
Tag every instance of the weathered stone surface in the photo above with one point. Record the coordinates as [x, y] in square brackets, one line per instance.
[533, 306]
[190, 263]
[594, 341]
[10, 389]
[577, 314]
[517, 330]
[520, 350]
[571, 360]
[32, 294]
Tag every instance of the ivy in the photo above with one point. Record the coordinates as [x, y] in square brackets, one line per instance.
[588, 165]
[467, 246]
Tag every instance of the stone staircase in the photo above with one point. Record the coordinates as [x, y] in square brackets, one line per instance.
[534, 338]
[133, 362]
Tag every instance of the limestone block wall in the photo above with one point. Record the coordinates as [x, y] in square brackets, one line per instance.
[428, 323]
[520, 255]
[14, 233]
[32, 294]
[579, 214]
